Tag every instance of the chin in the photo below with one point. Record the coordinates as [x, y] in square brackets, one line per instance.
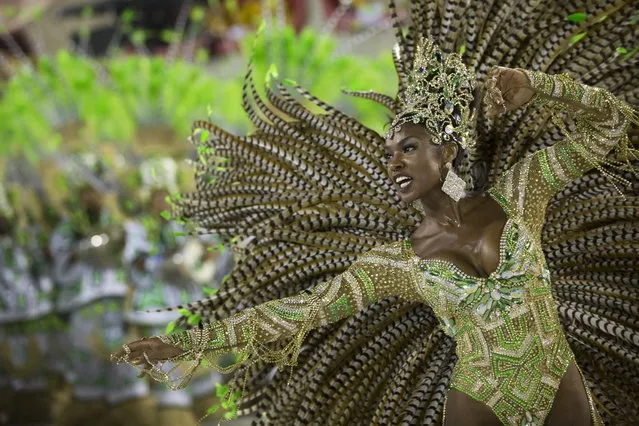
[414, 192]
[407, 197]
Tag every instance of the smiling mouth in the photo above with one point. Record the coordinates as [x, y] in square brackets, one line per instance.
[403, 183]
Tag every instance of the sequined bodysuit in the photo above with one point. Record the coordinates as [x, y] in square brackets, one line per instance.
[512, 351]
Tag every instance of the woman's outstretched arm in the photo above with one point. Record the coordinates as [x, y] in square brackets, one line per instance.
[381, 273]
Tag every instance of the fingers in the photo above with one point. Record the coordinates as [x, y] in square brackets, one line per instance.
[145, 364]
[493, 96]
[130, 352]
[123, 355]
[148, 361]
[496, 73]
[505, 90]
[144, 351]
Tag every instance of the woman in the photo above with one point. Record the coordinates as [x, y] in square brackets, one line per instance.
[467, 244]
[475, 260]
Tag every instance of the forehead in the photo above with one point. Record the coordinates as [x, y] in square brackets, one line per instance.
[407, 130]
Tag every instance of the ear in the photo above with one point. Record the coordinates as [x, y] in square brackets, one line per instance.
[449, 152]
[478, 99]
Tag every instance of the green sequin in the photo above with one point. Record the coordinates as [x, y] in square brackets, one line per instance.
[545, 170]
[219, 339]
[512, 351]
[565, 157]
[505, 328]
[282, 312]
[369, 287]
[340, 308]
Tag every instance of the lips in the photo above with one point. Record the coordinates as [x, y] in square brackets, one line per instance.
[403, 182]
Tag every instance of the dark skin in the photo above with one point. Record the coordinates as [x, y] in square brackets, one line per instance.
[466, 233]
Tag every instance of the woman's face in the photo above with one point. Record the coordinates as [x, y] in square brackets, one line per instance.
[413, 162]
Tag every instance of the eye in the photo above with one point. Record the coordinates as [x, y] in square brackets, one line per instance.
[387, 156]
[409, 148]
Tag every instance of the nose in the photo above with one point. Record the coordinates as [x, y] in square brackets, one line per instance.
[396, 163]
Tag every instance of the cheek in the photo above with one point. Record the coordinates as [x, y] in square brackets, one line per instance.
[427, 166]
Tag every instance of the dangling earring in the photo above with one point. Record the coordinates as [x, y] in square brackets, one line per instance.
[453, 186]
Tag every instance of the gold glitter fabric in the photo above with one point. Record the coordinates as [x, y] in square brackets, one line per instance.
[511, 348]
[512, 351]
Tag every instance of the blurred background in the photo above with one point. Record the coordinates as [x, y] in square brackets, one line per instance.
[97, 99]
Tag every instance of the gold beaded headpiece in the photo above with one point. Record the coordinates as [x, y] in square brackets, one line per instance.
[439, 94]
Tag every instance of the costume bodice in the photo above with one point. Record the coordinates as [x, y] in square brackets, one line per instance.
[511, 350]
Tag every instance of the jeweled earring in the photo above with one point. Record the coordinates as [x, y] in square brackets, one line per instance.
[453, 186]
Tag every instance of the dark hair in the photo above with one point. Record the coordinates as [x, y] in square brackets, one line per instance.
[478, 170]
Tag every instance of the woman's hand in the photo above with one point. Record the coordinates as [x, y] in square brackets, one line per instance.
[506, 90]
[146, 352]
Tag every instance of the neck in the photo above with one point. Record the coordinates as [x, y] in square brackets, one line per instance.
[440, 207]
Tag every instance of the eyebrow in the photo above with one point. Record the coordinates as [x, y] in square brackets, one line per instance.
[401, 142]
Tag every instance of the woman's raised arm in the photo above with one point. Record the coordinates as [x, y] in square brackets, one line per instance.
[600, 125]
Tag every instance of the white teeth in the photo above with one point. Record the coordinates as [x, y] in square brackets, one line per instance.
[405, 184]
[401, 179]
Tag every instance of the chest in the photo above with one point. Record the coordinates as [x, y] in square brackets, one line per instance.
[452, 292]
[474, 249]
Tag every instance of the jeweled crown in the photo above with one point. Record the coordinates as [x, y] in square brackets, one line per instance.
[439, 95]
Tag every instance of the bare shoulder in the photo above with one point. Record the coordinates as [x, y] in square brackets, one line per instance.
[482, 209]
